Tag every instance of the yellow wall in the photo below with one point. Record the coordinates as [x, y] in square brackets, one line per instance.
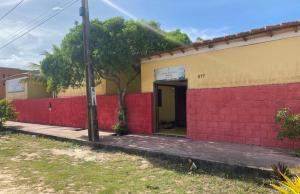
[105, 88]
[36, 90]
[167, 110]
[264, 63]
[100, 90]
[134, 87]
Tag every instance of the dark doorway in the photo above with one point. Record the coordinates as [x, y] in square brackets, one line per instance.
[170, 107]
[180, 106]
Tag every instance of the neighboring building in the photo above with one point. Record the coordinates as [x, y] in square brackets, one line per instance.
[4, 73]
[228, 88]
[21, 87]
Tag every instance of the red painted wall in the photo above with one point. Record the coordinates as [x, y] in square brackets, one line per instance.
[72, 112]
[241, 115]
[35, 111]
[140, 117]
[107, 111]
[238, 115]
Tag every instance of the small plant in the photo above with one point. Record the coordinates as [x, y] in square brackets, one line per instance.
[7, 112]
[121, 129]
[280, 170]
[290, 124]
[288, 186]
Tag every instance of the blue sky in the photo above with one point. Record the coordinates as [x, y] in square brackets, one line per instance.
[206, 19]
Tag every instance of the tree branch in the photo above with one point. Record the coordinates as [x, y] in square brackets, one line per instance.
[132, 78]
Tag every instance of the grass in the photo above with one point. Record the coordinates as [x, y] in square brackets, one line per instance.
[43, 165]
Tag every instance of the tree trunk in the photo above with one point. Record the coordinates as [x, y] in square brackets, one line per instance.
[122, 117]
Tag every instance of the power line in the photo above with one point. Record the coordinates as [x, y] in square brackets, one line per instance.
[34, 22]
[11, 10]
[38, 25]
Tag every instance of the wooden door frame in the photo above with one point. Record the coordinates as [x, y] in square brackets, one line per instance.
[155, 107]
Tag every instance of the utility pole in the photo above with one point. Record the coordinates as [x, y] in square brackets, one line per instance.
[93, 131]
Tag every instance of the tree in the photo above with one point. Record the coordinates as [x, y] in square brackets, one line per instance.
[199, 39]
[178, 36]
[59, 72]
[116, 47]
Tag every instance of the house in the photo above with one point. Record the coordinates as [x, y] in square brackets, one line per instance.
[229, 88]
[19, 86]
[4, 73]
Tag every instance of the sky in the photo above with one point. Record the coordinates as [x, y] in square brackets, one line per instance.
[197, 18]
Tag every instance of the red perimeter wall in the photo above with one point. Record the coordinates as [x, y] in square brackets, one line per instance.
[238, 115]
[241, 115]
[71, 112]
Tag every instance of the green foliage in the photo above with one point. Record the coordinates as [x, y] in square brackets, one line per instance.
[290, 124]
[178, 36]
[121, 129]
[7, 112]
[116, 45]
[59, 71]
[116, 48]
[280, 170]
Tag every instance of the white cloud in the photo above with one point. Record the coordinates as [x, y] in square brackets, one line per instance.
[207, 33]
[28, 48]
[57, 8]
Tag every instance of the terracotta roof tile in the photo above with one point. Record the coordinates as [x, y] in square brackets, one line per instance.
[258, 30]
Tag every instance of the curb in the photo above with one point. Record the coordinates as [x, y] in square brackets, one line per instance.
[205, 165]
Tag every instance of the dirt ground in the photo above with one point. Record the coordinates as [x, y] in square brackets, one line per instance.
[31, 165]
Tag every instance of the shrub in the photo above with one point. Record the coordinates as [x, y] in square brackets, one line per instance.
[7, 112]
[288, 186]
[280, 170]
[290, 124]
[121, 129]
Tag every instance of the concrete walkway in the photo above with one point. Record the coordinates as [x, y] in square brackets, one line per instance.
[209, 153]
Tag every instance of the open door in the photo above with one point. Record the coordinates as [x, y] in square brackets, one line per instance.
[170, 107]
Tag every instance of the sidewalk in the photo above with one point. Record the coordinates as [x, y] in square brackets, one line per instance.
[207, 153]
